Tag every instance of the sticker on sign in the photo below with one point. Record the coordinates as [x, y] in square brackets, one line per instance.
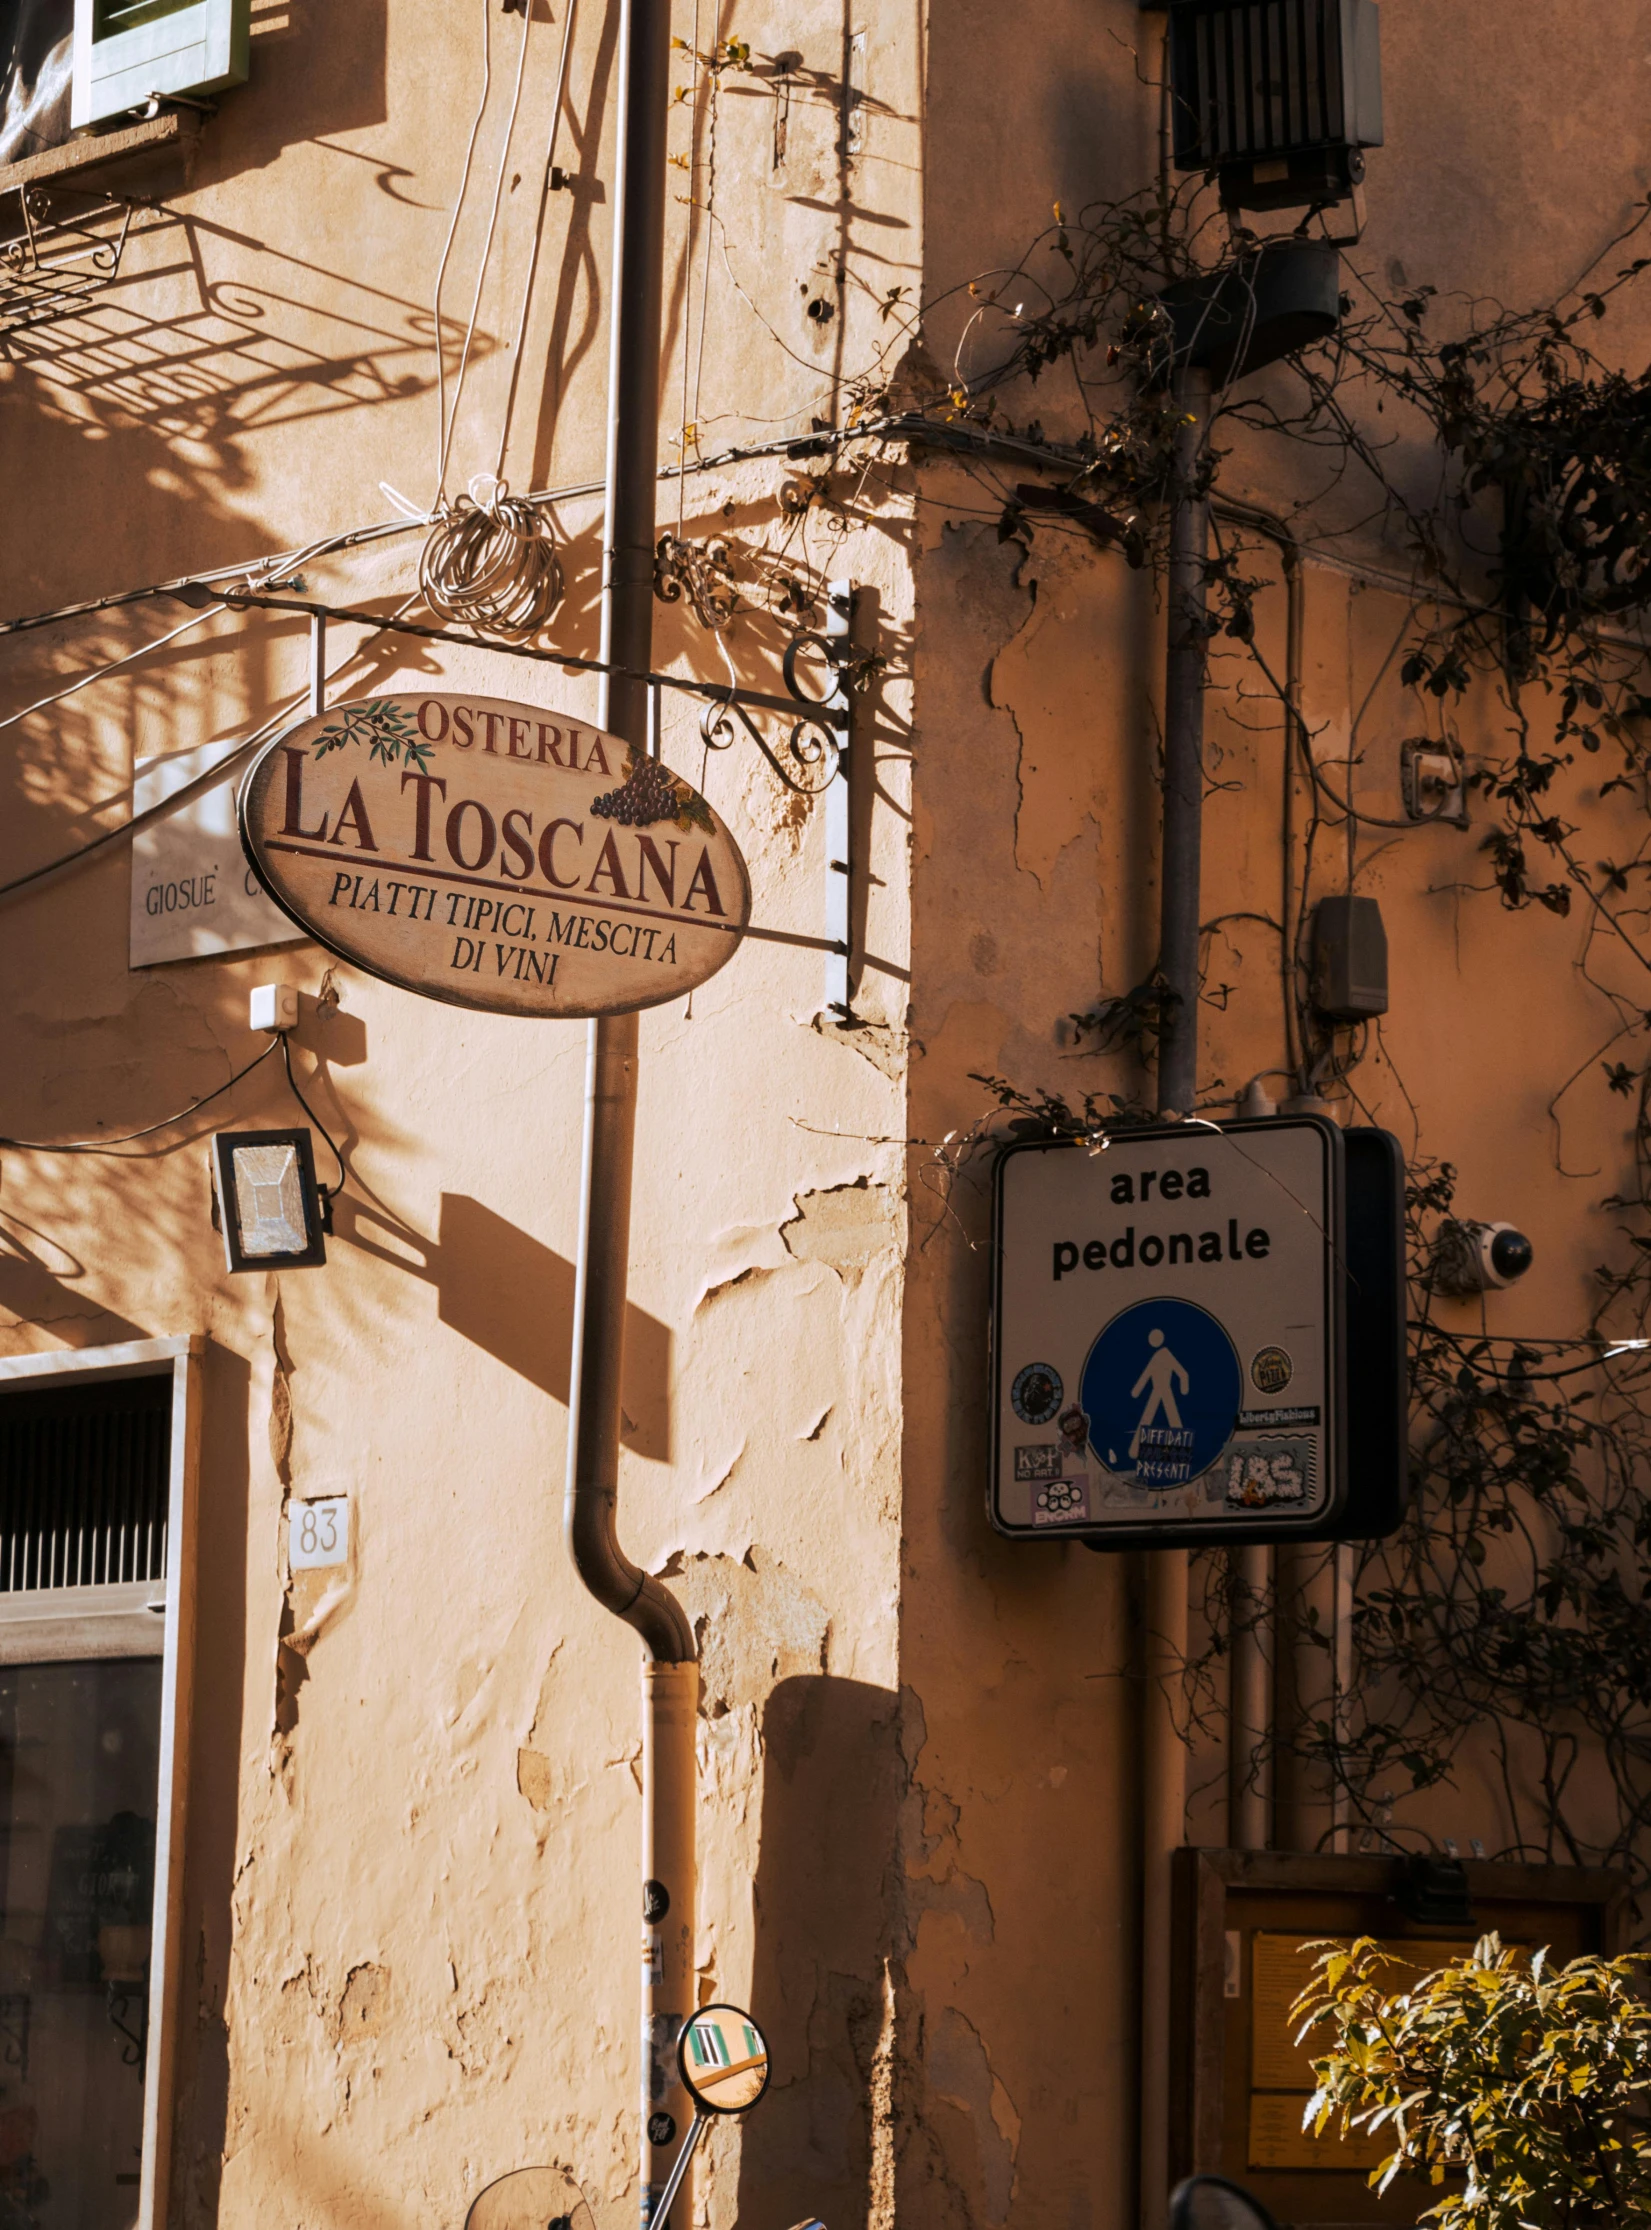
[1172, 1307]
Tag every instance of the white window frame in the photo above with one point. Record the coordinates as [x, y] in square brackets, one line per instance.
[196, 49]
[138, 1619]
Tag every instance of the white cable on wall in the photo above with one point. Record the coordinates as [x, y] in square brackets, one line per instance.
[491, 561]
[451, 424]
[447, 250]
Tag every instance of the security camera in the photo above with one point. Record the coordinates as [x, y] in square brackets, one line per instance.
[1479, 1257]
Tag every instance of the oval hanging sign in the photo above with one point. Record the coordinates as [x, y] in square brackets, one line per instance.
[494, 855]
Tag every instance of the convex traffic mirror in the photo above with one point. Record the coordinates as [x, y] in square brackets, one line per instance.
[1211, 2203]
[723, 2057]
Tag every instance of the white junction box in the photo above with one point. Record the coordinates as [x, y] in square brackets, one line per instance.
[273, 1006]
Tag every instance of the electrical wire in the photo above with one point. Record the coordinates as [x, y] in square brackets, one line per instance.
[204, 780]
[900, 426]
[538, 236]
[688, 269]
[110, 1146]
[491, 564]
[258, 572]
[451, 426]
[150, 1130]
[491, 561]
[167, 804]
[327, 1192]
[447, 250]
[96, 673]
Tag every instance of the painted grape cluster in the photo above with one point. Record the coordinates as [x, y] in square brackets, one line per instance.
[648, 794]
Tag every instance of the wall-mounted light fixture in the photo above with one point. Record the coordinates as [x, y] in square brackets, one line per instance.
[266, 1201]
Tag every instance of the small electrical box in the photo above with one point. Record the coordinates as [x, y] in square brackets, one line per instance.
[274, 1006]
[1434, 782]
[1349, 959]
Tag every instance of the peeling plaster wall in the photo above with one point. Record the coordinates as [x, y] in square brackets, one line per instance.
[410, 1935]
[412, 1879]
[1513, 153]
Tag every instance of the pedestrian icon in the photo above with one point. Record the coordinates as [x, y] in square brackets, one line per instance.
[1160, 1375]
[1162, 1387]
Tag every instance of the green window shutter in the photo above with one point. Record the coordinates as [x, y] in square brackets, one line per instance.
[127, 50]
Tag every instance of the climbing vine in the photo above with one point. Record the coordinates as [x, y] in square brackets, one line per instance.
[1507, 459]
[1512, 1606]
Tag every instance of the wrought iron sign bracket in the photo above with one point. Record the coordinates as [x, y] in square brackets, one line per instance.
[827, 715]
[812, 761]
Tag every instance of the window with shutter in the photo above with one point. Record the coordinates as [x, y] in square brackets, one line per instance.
[128, 51]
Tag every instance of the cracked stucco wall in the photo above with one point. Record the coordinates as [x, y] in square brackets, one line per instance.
[410, 1938]
[412, 1877]
[1034, 893]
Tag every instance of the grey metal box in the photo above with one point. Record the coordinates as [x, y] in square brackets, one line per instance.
[1349, 958]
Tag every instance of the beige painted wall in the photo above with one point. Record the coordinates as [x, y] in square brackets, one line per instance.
[413, 1891]
[411, 1942]
[1515, 149]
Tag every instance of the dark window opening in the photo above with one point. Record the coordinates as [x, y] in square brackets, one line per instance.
[84, 1478]
[36, 74]
[83, 1484]
[79, 1774]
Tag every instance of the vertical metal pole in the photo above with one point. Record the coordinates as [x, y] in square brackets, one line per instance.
[839, 828]
[670, 1699]
[1163, 1828]
[670, 1677]
[1163, 1808]
[1295, 581]
[1249, 1710]
[318, 663]
[1184, 750]
[1341, 1812]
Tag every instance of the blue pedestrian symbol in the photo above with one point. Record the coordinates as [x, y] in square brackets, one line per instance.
[1162, 1388]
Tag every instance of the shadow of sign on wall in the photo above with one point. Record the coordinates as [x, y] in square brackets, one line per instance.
[512, 1296]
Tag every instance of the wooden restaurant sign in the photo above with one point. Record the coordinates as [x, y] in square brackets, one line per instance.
[494, 855]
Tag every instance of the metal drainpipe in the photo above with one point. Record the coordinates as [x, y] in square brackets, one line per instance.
[1254, 1644]
[1250, 1793]
[1163, 1807]
[1250, 1702]
[1181, 869]
[670, 1675]
[1295, 585]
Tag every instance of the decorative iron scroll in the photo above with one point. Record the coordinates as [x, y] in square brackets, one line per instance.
[815, 744]
[702, 573]
[58, 249]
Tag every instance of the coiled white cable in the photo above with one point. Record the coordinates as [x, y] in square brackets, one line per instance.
[491, 563]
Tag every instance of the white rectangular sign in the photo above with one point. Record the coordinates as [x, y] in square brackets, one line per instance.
[318, 1533]
[1167, 1335]
[192, 890]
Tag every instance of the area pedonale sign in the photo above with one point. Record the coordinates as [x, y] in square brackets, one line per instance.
[494, 855]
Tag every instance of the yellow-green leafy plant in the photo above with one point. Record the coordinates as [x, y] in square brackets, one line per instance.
[1522, 2088]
